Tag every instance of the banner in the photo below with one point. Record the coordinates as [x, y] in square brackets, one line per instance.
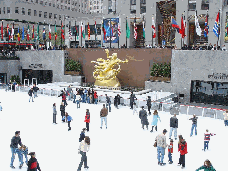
[111, 30]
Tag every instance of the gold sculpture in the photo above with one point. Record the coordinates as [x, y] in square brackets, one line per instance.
[105, 73]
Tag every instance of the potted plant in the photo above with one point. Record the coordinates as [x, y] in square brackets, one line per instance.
[72, 67]
[160, 72]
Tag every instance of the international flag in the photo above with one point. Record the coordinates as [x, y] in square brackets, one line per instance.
[82, 31]
[9, 35]
[62, 31]
[88, 31]
[50, 36]
[119, 29]
[198, 29]
[28, 33]
[44, 36]
[127, 30]
[33, 32]
[55, 32]
[18, 35]
[104, 31]
[206, 27]
[2, 30]
[153, 27]
[135, 31]
[95, 28]
[175, 25]
[23, 33]
[226, 30]
[7, 29]
[144, 34]
[12, 32]
[38, 32]
[70, 33]
[182, 30]
[216, 26]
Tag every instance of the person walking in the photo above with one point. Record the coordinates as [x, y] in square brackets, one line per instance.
[83, 148]
[207, 166]
[108, 102]
[103, 115]
[82, 134]
[62, 110]
[74, 95]
[33, 164]
[14, 149]
[63, 95]
[85, 95]
[35, 89]
[54, 113]
[88, 95]
[161, 145]
[143, 117]
[155, 120]
[132, 98]
[69, 119]
[87, 119]
[226, 118]
[183, 150]
[95, 97]
[173, 126]
[78, 98]
[149, 104]
[30, 93]
[69, 92]
[194, 124]
[14, 86]
[207, 136]
[135, 108]
[170, 151]
[117, 100]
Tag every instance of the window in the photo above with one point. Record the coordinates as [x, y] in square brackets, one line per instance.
[143, 1]
[53, 5]
[29, 11]
[62, 1]
[8, 10]
[50, 15]
[191, 5]
[55, 16]
[68, 8]
[37, 1]
[16, 10]
[41, 2]
[65, 7]
[35, 12]
[50, 4]
[225, 2]
[133, 2]
[59, 17]
[23, 11]
[46, 3]
[0, 11]
[4, 10]
[61, 6]
[45, 14]
[40, 13]
[69, 1]
[205, 5]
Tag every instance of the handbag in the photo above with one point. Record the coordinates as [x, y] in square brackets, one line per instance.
[155, 144]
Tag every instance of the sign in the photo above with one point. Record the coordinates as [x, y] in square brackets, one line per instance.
[111, 28]
[218, 76]
[35, 66]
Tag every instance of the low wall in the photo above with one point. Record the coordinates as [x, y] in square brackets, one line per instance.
[158, 86]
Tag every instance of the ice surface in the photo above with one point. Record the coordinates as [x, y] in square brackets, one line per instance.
[124, 146]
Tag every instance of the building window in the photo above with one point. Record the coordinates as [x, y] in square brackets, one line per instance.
[205, 5]
[29, 11]
[40, 13]
[225, 2]
[16, 10]
[133, 2]
[45, 14]
[53, 5]
[59, 17]
[0, 11]
[68, 8]
[50, 15]
[8, 10]
[62, 1]
[69, 1]
[50, 4]
[55, 16]
[65, 7]
[37, 1]
[41, 2]
[23, 11]
[61, 6]
[35, 12]
[191, 5]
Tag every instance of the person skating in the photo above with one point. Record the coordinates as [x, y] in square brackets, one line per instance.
[95, 97]
[207, 166]
[83, 148]
[149, 104]
[161, 145]
[30, 93]
[143, 117]
[54, 113]
[108, 102]
[63, 95]
[33, 164]
[78, 98]
[226, 118]
[88, 95]
[194, 124]
[207, 136]
[69, 119]
[173, 126]
[183, 150]
[155, 120]
[117, 100]
[87, 119]
[14, 149]
[24, 151]
[170, 151]
[69, 92]
[103, 115]
[35, 89]
[135, 108]
[132, 98]
[62, 110]
[82, 134]
[14, 86]
[0, 107]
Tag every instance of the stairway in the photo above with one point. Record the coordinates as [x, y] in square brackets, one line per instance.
[140, 41]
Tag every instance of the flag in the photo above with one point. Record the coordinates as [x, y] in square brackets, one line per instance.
[38, 32]
[154, 28]
[95, 28]
[119, 29]
[9, 35]
[198, 29]
[33, 32]
[50, 36]
[77, 32]
[216, 26]
[182, 30]
[23, 33]
[144, 35]
[12, 32]
[175, 25]
[7, 29]
[104, 31]
[70, 33]
[135, 31]
[226, 30]
[88, 31]
[2, 30]
[206, 27]
[127, 30]
[18, 35]
[55, 32]
[82, 31]
[28, 33]
[44, 36]
[62, 31]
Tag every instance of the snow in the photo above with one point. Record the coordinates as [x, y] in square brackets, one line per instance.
[123, 146]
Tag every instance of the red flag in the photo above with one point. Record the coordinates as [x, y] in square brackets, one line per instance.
[104, 31]
[2, 30]
[182, 30]
[62, 31]
[7, 28]
[154, 28]
[50, 36]
[33, 32]
[88, 31]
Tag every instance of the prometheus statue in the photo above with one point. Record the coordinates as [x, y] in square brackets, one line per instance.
[106, 70]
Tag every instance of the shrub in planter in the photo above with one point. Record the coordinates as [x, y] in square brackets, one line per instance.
[72, 65]
[16, 78]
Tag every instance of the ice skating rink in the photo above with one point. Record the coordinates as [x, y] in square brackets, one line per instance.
[124, 146]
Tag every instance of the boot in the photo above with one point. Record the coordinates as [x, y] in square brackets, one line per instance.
[156, 128]
[152, 129]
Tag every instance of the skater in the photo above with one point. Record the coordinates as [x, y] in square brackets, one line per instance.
[69, 92]
[62, 110]
[117, 100]
[155, 120]
[85, 95]
[78, 98]
[108, 102]
[54, 113]
[82, 134]
[132, 98]
[207, 166]
[207, 136]
[83, 148]
[35, 89]
[24, 151]
[69, 119]
[135, 108]
[14, 149]
[143, 117]
[88, 95]
[95, 97]
[74, 95]
[194, 124]
[173, 126]
[161, 145]
[183, 150]
[149, 104]
[92, 94]
[226, 118]
[103, 115]
[0, 107]
[87, 119]
[33, 164]
[14, 86]
[170, 151]
[63, 95]
[30, 93]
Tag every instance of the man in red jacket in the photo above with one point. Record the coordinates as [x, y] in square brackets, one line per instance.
[87, 119]
[183, 150]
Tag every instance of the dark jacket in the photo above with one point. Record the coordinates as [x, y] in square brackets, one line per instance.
[33, 164]
[15, 141]
[194, 120]
[173, 122]
[108, 100]
[117, 99]
[82, 136]
[148, 102]
[141, 113]
[144, 118]
[35, 88]
[62, 109]
[30, 93]
[132, 98]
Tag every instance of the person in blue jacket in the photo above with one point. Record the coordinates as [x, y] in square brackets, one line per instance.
[69, 119]
[82, 134]
[155, 120]
[24, 151]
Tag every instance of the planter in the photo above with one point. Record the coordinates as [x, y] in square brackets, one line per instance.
[165, 79]
[75, 73]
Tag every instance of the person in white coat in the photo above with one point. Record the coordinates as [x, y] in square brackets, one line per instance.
[155, 120]
[83, 148]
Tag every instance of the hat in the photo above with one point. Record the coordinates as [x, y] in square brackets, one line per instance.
[32, 153]
[164, 131]
[171, 140]
[17, 132]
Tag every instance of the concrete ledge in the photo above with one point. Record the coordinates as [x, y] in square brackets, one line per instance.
[158, 86]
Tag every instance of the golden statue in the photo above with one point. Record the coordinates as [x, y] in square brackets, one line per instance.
[105, 73]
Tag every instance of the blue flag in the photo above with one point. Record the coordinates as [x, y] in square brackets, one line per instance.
[23, 34]
[216, 26]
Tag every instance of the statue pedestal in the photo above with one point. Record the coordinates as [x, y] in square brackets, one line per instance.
[108, 83]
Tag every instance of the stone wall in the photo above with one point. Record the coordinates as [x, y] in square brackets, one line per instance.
[158, 86]
[10, 67]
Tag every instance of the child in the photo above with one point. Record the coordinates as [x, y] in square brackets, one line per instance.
[33, 164]
[207, 166]
[69, 119]
[134, 108]
[63, 119]
[207, 136]
[170, 151]
[24, 150]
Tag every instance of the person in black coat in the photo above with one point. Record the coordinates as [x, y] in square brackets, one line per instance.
[30, 93]
[143, 117]
[149, 104]
[194, 124]
[108, 102]
[82, 134]
[54, 113]
[35, 89]
[132, 98]
[117, 100]
[173, 126]
[33, 164]
[62, 110]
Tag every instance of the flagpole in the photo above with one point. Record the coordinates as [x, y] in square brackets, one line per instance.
[55, 34]
[126, 31]
[110, 32]
[181, 31]
[219, 25]
[95, 34]
[49, 37]
[61, 35]
[81, 34]
[69, 34]
[152, 32]
[75, 34]
[38, 36]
